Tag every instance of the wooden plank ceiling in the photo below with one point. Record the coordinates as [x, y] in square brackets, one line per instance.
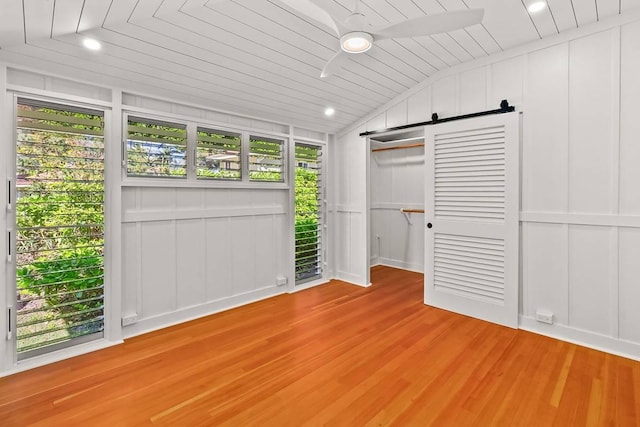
[262, 58]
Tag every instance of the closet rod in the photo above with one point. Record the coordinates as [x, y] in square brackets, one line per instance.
[412, 210]
[397, 147]
[504, 108]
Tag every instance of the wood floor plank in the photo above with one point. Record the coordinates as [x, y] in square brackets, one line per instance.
[332, 355]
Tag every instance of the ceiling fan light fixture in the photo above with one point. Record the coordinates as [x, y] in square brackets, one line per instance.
[356, 42]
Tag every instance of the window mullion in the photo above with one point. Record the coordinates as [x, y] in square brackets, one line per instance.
[245, 156]
[192, 155]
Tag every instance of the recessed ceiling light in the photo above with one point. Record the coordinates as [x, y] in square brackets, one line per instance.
[356, 42]
[537, 6]
[92, 44]
[329, 112]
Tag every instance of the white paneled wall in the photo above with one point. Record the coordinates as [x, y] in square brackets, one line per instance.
[191, 251]
[184, 249]
[580, 204]
[397, 181]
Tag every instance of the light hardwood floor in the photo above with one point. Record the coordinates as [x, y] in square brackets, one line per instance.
[335, 355]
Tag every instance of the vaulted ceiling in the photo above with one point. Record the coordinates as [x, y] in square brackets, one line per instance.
[262, 58]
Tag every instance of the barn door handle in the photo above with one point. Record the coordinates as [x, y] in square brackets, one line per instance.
[429, 225]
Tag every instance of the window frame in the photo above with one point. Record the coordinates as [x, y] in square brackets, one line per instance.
[162, 122]
[241, 154]
[321, 211]
[112, 235]
[191, 180]
[325, 236]
[284, 155]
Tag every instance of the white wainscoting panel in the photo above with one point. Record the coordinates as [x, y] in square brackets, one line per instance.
[590, 123]
[219, 275]
[444, 96]
[629, 123]
[242, 247]
[580, 206]
[419, 106]
[590, 278]
[506, 81]
[546, 284]
[397, 115]
[158, 267]
[265, 253]
[473, 92]
[546, 131]
[629, 297]
[188, 252]
[130, 267]
[191, 270]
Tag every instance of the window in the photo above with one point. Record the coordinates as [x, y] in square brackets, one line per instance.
[60, 226]
[219, 155]
[266, 159]
[196, 152]
[309, 213]
[156, 148]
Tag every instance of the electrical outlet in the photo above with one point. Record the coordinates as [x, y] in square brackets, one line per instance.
[544, 316]
[129, 320]
[281, 281]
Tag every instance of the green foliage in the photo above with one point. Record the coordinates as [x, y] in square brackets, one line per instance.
[219, 174]
[79, 122]
[161, 132]
[144, 161]
[306, 193]
[53, 203]
[265, 176]
[156, 148]
[72, 280]
[60, 217]
[306, 226]
[307, 239]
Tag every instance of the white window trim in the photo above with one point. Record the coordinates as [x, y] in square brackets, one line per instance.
[112, 234]
[286, 145]
[191, 180]
[325, 233]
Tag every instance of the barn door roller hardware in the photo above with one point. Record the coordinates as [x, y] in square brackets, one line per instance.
[504, 108]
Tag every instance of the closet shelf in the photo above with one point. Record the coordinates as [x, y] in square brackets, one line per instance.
[398, 147]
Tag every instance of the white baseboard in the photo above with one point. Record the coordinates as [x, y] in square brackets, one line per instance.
[399, 264]
[352, 279]
[584, 338]
[309, 285]
[191, 313]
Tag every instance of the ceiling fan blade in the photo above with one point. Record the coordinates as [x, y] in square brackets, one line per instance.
[430, 24]
[315, 12]
[335, 64]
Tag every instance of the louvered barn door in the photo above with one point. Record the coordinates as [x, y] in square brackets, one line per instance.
[472, 214]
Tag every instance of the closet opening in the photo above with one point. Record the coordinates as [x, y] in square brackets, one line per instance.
[449, 209]
[396, 190]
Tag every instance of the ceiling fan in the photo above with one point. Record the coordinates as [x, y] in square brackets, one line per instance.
[358, 36]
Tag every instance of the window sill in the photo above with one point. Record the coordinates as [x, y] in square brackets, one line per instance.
[183, 183]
